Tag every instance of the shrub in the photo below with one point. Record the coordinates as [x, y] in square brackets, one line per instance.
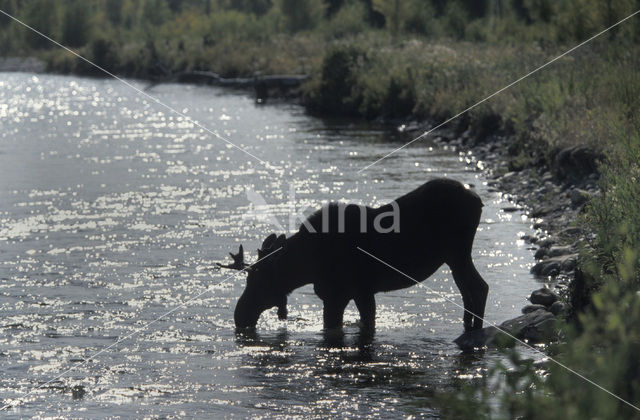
[334, 90]
[350, 19]
[76, 24]
[301, 14]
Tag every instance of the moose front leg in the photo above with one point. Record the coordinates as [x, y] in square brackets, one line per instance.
[474, 292]
[282, 309]
[366, 304]
[333, 312]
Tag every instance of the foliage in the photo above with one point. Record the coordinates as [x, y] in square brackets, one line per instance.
[614, 215]
[301, 14]
[76, 24]
[43, 15]
[604, 344]
[349, 20]
[395, 13]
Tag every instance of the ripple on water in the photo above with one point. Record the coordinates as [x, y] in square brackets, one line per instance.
[113, 212]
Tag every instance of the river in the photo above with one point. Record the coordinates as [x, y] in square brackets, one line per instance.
[113, 211]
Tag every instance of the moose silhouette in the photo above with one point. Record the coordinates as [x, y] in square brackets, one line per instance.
[432, 225]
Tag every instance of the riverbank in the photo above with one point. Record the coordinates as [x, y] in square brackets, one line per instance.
[22, 64]
[552, 194]
[553, 197]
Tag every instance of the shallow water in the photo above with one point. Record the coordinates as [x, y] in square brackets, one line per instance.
[113, 211]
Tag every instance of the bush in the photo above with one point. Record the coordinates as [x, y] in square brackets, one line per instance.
[301, 14]
[350, 19]
[76, 24]
[43, 15]
[104, 53]
[604, 345]
[334, 91]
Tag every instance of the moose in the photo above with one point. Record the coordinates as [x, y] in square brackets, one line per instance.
[432, 225]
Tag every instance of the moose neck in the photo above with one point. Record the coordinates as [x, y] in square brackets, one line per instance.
[293, 270]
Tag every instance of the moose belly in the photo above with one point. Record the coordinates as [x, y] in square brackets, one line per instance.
[387, 279]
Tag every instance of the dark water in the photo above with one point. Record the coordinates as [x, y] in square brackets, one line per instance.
[113, 211]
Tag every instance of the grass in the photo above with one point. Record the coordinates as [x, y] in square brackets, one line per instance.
[603, 342]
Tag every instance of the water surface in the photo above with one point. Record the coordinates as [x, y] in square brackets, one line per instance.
[113, 211]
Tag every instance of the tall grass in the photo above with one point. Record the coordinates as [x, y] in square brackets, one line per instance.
[604, 341]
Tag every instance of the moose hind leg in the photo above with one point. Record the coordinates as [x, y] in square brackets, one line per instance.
[474, 292]
[333, 312]
[366, 305]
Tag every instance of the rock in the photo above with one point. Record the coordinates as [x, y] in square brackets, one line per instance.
[540, 225]
[541, 210]
[540, 253]
[537, 326]
[477, 339]
[508, 175]
[569, 263]
[543, 296]
[540, 332]
[78, 392]
[529, 238]
[542, 364]
[570, 231]
[577, 163]
[552, 266]
[556, 251]
[547, 242]
[557, 308]
[552, 269]
[578, 197]
[531, 308]
[536, 270]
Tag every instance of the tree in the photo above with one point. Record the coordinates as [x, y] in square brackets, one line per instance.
[113, 10]
[256, 7]
[76, 26]
[43, 16]
[155, 12]
[301, 14]
[395, 13]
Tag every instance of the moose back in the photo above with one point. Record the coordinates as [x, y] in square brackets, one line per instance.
[432, 225]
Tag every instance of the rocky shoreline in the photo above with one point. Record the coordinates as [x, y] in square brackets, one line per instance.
[553, 196]
[22, 64]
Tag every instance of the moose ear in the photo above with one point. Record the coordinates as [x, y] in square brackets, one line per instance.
[268, 243]
[240, 254]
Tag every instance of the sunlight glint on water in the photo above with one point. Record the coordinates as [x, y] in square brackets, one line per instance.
[113, 211]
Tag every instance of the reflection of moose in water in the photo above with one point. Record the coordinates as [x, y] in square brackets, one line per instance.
[430, 226]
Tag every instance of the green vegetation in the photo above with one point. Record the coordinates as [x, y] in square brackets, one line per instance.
[428, 59]
[604, 341]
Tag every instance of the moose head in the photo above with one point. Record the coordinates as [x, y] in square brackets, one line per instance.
[261, 292]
